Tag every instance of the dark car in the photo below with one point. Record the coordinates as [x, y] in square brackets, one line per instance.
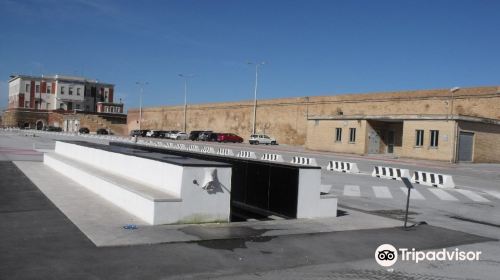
[141, 133]
[102, 131]
[156, 134]
[135, 132]
[193, 136]
[229, 137]
[163, 134]
[208, 136]
[84, 130]
[52, 128]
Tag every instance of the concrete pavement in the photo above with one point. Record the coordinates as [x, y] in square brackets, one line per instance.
[42, 242]
[39, 242]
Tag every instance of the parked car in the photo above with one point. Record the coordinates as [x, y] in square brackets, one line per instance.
[164, 134]
[52, 128]
[229, 137]
[261, 139]
[141, 133]
[102, 131]
[168, 134]
[153, 133]
[179, 136]
[193, 136]
[135, 132]
[84, 130]
[208, 136]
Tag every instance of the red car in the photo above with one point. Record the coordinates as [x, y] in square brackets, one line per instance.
[229, 137]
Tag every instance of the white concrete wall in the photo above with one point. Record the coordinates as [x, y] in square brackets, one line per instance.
[163, 176]
[129, 201]
[309, 201]
[196, 204]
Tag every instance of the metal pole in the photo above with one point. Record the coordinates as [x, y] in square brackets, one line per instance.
[409, 186]
[255, 97]
[407, 206]
[140, 107]
[452, 97]
[185, 102]
[452, 91]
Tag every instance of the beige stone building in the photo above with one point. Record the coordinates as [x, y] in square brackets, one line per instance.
[446, 125]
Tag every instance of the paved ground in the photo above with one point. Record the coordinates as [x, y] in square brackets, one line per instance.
[42, 243]
[39, 242]
[102, 222]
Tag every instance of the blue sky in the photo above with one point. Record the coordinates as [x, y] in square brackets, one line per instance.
[311, 47]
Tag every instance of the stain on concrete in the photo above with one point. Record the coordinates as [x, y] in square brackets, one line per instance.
[233, 244]
[208, 232]
[226, 238]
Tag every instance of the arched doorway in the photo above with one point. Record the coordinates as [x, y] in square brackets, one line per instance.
[39, 125]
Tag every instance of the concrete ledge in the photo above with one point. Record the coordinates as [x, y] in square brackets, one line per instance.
[158, 192]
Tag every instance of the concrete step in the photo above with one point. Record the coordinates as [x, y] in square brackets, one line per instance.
[137, 198]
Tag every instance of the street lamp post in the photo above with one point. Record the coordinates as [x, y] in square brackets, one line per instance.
[185, 77]
[257, 64]
[141, 84]
[452, 91]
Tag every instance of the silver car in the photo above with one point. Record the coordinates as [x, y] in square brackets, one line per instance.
[261, 139]
[179, 136]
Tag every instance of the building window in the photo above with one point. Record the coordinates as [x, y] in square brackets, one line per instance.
[78, 91]
[62, 90]
[434, 138]
[338, 134]
[77, 106]
[419, 141]
[27, 88]
[352, 135]
[70, 91]
[48, 89]
[37, 88]
[87, 108]
[26, 104]
[61, 106]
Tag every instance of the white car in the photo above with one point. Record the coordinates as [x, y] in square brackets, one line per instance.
[179, 136]
[261, 139]
[150, 133]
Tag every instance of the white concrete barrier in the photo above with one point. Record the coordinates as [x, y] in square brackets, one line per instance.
[225, 152]
[159, 144]
[246, 154]
[342, 166]
[390, 172]
[304, 161]
[193, 148]
[181, 146]
[207, 150]
[311, 203]
[433, 179]
[272, 157]
[168, 145]
[155, 191]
